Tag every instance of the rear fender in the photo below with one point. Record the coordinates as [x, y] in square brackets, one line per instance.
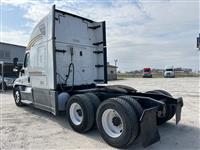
[148, 127]
[148, 121]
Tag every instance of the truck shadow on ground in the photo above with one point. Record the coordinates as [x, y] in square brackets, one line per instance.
[172, 136]
[62, 121]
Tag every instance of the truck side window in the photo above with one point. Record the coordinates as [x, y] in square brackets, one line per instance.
[26, 60]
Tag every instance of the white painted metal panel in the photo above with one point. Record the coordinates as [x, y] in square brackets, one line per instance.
[39, 81]
[74, 33]
[41, 54]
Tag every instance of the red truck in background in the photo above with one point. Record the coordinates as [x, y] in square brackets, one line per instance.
[147, 73]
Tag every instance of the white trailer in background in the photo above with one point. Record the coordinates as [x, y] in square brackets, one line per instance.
[169, 72]
[65, 69]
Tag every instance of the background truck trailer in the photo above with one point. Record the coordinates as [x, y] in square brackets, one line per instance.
[65, 70]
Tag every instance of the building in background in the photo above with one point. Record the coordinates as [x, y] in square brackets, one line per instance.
[8, 52]
[112, 72]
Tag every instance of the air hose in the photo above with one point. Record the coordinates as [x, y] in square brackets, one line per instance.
[71, 65]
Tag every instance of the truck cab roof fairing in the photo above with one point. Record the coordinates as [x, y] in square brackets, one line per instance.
[40, 31]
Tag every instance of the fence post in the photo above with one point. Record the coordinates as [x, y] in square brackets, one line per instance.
[2, 75]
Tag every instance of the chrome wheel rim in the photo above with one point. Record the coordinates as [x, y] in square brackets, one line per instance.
[17, 97]
[76, 113]
[112, 123]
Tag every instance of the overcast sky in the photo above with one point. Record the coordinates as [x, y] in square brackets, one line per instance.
[140, 33]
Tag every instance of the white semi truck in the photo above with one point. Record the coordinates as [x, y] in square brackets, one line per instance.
[169, 72]
[65, 69]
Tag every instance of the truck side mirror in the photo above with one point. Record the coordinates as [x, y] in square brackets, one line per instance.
[22, 71]
[15, 61]
[15, 65]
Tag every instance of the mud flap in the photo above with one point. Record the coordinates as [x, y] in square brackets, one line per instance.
[148, 127]
[179, 106]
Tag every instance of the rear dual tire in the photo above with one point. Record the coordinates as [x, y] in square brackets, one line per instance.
[134, 104]
[81, 111]
[170, 110]
[117, 122]
[117, 119]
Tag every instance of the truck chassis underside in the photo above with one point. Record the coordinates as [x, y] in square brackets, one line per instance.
[147, 110]
[154, 105]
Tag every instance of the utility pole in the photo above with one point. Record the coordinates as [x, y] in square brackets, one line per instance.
[115, 62]
[116, 67]
[198, 42]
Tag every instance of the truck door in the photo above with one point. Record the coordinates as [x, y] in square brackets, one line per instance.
[24, 71]
[26, 93]
[43, 96]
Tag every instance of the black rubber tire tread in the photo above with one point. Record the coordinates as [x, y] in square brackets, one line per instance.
[135, 105]
[88, 113]
[130, 122]
[170, 111]
[94, 99]
[172, 108]
[19, 104]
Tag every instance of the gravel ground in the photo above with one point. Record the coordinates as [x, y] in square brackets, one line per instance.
[29, 128]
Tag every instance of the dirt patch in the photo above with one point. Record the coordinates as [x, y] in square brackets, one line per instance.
[30, 128]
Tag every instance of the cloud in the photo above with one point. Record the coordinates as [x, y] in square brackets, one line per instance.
[36, 12]
[138, 32]
[15, 37]
[14, 2]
